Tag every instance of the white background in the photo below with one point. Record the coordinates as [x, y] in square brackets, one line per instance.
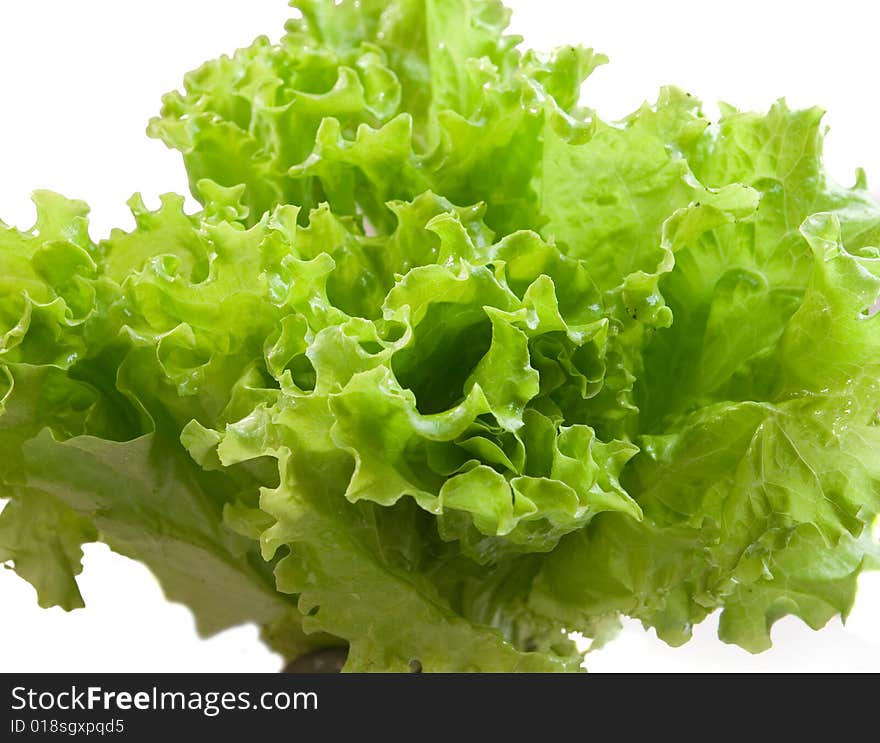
[78, 82]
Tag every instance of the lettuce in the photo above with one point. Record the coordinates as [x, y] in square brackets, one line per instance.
[447, 367]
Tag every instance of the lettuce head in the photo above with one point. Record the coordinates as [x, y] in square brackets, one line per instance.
[447, 367]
